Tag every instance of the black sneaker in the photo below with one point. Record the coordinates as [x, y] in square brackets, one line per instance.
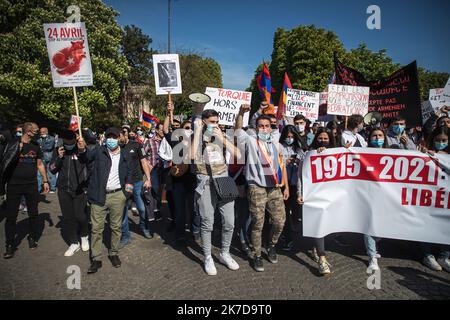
[288, 246]
[258, 264]
[272, 254]
[246, 249]
[32, 243]
[9, 252]
[95, 265]
[115, 261]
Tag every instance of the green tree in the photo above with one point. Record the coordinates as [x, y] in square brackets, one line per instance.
[373, 65]
[26, 90]
[306, 53]
[137, 51]
[431, 80]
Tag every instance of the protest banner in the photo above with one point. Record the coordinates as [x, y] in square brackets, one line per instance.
[70, 61]
[446, 93]
[347, 100]
[68, 51]
[427, 111]
[302, 102]
[75, 123]
[437, 100]
[227, 103]
[396, 95]
[167, 74]
[397, 194]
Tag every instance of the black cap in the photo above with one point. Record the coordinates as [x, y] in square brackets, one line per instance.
[112, 131]
[68, 135]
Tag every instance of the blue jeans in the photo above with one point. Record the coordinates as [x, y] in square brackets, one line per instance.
[51, 179]
[143, 223]
[371, 245]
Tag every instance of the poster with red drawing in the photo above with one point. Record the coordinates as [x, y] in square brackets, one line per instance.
[68, 51]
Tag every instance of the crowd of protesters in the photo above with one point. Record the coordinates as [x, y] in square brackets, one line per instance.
[188, 165]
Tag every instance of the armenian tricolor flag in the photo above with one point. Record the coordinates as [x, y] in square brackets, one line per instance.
[265, 86]
[283, 97]
[148, 120]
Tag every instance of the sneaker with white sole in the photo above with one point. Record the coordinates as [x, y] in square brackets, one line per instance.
[324, 268]
[445, 263]
[72, 249]
[430, 262]
[373, 265]
[210, 268]
[85, 243]
[227, 260]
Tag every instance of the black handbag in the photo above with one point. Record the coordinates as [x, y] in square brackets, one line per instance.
[225, 187]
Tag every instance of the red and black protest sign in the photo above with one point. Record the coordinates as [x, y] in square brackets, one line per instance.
[396, 95]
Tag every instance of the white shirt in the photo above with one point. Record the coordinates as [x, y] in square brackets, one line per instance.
[113, 178]
[348, 136]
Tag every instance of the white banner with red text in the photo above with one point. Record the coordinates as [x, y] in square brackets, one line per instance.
[386, 193]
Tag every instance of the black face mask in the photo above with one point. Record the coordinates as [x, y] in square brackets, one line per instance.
[322, 144]
[274, 126]
[132, 138]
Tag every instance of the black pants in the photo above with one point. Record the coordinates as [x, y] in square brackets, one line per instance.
[14, 194]
[73, 208]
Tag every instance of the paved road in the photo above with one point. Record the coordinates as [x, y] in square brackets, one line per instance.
[154, 269]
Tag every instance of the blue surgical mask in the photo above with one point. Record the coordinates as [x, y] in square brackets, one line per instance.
[210, 127]
[398, 129]
[18, 133]
[112, 143]
[377, 142]
[289, 141]
[69, 147]
[264, 136]
[139, 132]
[439, 146]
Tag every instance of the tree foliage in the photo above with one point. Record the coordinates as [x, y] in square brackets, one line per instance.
[306, 53]
[26, 90]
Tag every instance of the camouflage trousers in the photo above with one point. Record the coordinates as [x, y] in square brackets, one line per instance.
[262, 199]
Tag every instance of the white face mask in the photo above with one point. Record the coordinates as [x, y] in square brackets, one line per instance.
[301, 128]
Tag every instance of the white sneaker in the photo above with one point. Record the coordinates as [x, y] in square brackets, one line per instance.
[324, 268]
[227, 260]
[72, 249]
[85, 243]
[430, 262]
[210, 268]
[445, 263]
[373, 265]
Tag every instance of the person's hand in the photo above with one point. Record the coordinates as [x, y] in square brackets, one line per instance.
[129, 187]
[61, 152]
[321, 149]
[218, 134]
[81, 144]
[147, 184]
[170, 107]
[422, 149]
[347, 145]
[286, 194]
[244, 108]
[300, 200]
[198, 123]
[46, 187]
[404, 139]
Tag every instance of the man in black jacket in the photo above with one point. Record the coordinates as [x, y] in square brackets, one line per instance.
[18, 170]
[72, 185]
[109, 186]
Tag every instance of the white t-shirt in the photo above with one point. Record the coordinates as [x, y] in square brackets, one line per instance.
[113, 178]
[348, 136]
